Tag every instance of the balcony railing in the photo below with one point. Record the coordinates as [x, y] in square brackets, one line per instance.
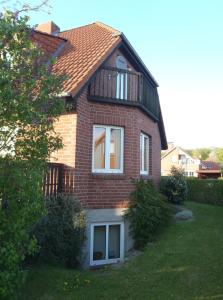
[125, 87]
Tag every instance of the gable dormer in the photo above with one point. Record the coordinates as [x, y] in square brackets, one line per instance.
[120, 80]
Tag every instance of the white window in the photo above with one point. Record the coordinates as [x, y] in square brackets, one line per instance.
[122, 86]
[174, 159]
[107, 243]
[107, 149]
[144, 154]
[122, 78]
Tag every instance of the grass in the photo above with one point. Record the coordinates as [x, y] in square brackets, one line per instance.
[185, 263]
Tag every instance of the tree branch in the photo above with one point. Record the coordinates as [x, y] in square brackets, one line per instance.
[25, 8]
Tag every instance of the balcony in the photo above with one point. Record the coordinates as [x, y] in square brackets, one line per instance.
[125, 87]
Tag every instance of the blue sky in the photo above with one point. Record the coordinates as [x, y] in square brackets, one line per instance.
[181, 42]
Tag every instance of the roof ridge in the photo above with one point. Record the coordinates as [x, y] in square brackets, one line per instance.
[114, 31]
[109, 28]
[168, 151]
[76, 28]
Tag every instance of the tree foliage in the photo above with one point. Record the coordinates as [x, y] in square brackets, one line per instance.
[219, 154]
[214, 154]
[200, 153]
[28, 106]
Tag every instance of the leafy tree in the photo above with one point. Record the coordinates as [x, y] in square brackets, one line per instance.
[189, 151]
[28, 107]
[201, 153]
[219, 154]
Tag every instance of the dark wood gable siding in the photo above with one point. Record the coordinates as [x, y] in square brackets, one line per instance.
[137, 89]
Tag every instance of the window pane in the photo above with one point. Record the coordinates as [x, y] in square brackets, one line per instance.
[141, 153]
[122, 86]
[115, 149]
[146, 153]
[99, 148]
[99, 249]
[114, 242]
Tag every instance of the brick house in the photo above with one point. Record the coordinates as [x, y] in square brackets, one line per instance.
[177, 157]
[113, 131]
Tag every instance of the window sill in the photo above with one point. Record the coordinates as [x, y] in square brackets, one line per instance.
[146, 177]
[108, 176]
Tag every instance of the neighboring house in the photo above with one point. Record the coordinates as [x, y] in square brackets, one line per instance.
[209, 169]
[112, 131]
[176, 156]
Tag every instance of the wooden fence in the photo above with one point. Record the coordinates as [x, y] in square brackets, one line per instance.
[53, 179]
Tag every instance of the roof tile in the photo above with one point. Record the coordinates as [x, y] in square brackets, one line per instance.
[85, 50]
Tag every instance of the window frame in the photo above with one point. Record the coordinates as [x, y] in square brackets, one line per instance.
[142, 152]
[106, 260]
[122, 85]
[107, 168]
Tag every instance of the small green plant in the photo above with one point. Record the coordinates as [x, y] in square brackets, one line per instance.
[76, 282]
[61, 233]
[174, 187]
[148, 213]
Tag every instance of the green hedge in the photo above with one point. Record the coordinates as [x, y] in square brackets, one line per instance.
[202, 190]
[205, 191]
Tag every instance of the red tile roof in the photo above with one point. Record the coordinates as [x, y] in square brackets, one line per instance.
[81, 51]
[86, 48]
[47, 42]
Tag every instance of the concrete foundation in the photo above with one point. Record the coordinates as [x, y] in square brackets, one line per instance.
[105, 216]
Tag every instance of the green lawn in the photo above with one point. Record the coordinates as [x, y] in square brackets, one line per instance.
[186, 263]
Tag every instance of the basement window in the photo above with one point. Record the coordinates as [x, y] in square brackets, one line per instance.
[107, 149]
[107, 243]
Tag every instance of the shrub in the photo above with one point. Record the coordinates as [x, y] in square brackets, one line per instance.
[205, 191]
[29, 105]
[60, 234]
[148, 213]
[20, 207]
[174, 187]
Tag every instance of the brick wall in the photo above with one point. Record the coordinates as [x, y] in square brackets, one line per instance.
[66, 127]
[104, 190]
[111, 190]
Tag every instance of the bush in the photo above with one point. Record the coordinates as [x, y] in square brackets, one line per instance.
[60, 234]
[21, 205]
[208, 191]
[174, 187]
[29, 105]
[148, 213]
